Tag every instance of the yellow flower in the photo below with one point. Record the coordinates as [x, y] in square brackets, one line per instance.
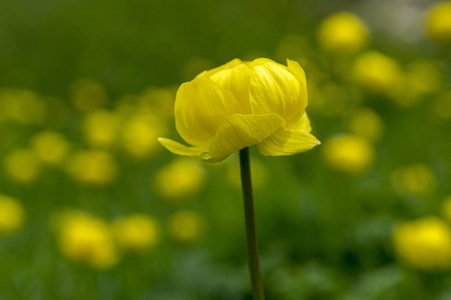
[100, 129]
[92, 167]
[367, 123]
[187, 226]
[137, 232]
[424, 244]
[23, 165]
[86, 239]
[21, 106]
[438, 22]
[421, 78]
[159, 100]
[51, 147]
[416, 179]
[377, 73]
[241, 104]
[140, 134]
[343, 32]
[12, 215]
[348, 153]
[182, 178]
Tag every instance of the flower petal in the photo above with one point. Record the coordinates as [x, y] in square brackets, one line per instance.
[231, 64]
[274, 89]
[199, 108]
[293, 139]
[186, 121]
[236, 81]
[213, 103]
[180, 149]
[297, 70]
[239, 131]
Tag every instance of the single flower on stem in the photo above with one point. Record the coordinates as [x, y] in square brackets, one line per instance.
[235, 106]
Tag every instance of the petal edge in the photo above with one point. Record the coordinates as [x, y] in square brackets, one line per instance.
[181, 149]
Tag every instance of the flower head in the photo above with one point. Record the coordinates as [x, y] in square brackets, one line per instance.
[416, 179]
[348, 153]
[241, 104]
[51, 147]
[180, 179]
[377, 73]
[12, 215]
[424, 243]
[438, 22]
[23, 166]
[86, 239]
[343, 32]
[137, 233]
[93, 167]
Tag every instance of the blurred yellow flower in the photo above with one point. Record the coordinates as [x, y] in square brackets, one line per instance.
[241, 104]
[438, 22]
[416, 179]
[343, 33]
[137, 233]
[348, 153]
[100, 128]
[92, 167]
[378, 73]
[21, 106]
[12, 215]
[446, 208]
[367, 123]
[23, 165]
[140, 134]
[420, 79]
[180, 179]
[86, 239]
[159, 100]
[88, 95]
[187, 226]
[51, 147]
[424, 243]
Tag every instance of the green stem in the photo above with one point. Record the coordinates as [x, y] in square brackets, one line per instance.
[251, 237]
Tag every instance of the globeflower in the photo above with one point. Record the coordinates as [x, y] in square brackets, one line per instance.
[12, 215]
[51, 147]
[377, 73]
[233, 107]
[23, 166]
[137, 233]
[343, 32]
[438, 22]
[416, 179]
[241, 104]
[424, 243]
[180, 179]
[349, 153]
[86, 239]
[97, 168]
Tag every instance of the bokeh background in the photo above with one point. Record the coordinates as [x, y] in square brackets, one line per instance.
[92, 207]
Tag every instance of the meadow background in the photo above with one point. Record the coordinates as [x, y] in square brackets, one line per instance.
[92, 207]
